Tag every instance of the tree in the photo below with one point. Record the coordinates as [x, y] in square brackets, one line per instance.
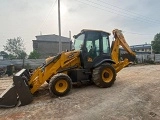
[15, 47]
[156, 43]
[10, 56]
[34, 55]
[4, 54]
[22, 54]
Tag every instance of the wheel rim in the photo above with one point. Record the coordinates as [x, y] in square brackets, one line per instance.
[107, 75]
[61, 86]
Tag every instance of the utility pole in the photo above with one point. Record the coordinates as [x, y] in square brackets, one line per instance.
[70, 34]
[70, 40]
[59, 24]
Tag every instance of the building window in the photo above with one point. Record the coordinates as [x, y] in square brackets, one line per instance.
[35, 45]
[149, 50]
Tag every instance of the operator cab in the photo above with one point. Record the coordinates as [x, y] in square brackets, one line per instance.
[94, 46]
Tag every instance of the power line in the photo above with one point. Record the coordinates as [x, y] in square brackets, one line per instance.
[44, 21]
[138, 33]
[100, 8]
[124, 14]
[148, 20]
[130, 12]
[118, 14]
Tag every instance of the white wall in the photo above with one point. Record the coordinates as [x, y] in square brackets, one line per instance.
[1, 57]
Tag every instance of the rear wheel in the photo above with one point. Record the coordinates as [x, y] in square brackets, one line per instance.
[104, 76]
[60, 84]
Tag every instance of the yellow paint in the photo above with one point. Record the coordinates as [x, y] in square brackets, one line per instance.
[66, 60]
[109, 76]
[61, 86]
[71, 59]
[119, 41]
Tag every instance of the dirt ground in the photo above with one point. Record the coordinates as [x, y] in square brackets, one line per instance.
[134, 96]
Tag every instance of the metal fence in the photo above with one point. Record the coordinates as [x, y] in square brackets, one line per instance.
[34, 63]
[19, 63]
[145, 58]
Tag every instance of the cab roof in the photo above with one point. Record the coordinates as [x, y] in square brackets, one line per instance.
[90, 30]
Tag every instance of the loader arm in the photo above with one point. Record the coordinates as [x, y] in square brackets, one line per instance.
[26, 83]
[119, 40]
[59, 64]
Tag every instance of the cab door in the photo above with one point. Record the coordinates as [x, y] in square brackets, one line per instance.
[97, 48]
[91, 48]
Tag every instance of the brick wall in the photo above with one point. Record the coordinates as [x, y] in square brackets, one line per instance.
[49, 48]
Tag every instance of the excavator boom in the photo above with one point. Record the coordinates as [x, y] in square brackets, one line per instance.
[119, 41]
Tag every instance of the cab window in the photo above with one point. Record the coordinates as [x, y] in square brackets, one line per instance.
[106, 46]
[78, 42]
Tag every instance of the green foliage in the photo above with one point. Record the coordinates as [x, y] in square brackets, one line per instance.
[4, 54]
[22, 54]
[10, 56]
[34, 55]
[15, 47]
[156, 43]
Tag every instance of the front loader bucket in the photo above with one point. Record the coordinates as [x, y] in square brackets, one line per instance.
[19, 94]
[9, 97]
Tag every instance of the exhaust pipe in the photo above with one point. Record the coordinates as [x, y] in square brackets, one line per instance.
[19, 93]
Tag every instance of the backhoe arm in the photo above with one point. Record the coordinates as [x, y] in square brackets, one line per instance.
[26, 83]
[119, 40]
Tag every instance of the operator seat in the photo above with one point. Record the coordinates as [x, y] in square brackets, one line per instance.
[92, 52]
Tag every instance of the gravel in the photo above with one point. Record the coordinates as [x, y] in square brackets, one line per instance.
[134, 96]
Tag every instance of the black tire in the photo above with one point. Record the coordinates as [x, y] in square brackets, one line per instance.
[104, 76]
[60, 85]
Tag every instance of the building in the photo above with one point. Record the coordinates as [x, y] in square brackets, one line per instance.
[139, 49]
[48, 45]
[143, 53]
[142, 49]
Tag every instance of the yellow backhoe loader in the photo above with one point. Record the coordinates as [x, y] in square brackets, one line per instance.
[91, 60]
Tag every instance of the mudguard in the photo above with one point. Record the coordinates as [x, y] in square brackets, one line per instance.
[103, 61]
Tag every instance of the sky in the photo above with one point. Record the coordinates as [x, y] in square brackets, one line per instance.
[138, 19]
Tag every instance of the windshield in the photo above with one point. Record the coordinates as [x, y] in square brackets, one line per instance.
[78, 42]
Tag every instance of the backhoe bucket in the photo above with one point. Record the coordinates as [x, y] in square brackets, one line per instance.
[19, 93]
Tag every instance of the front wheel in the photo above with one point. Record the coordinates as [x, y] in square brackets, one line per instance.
[60, 84]
[104, 76]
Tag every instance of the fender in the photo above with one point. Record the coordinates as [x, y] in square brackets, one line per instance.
[103, 61]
